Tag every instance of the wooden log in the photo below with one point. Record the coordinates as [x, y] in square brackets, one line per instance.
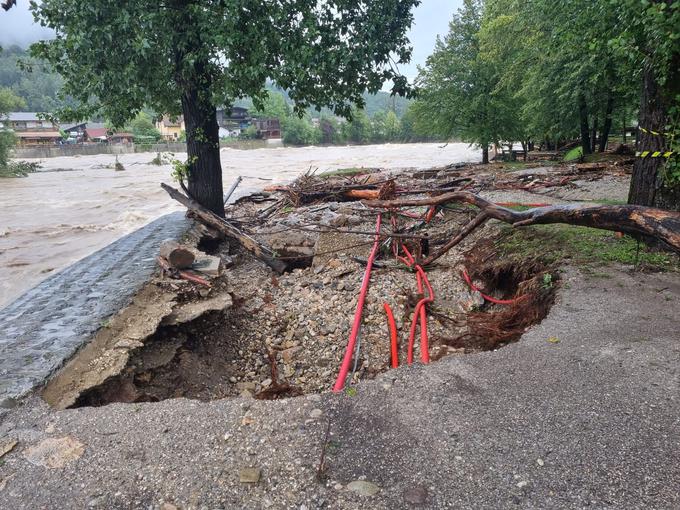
[211, 219]
[632, 219]
[179, 256]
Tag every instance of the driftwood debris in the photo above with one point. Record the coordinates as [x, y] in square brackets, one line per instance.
[206, 216]
[179, 256]
[631, 219]
[184, 275]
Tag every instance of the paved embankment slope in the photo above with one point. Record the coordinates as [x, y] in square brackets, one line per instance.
[47, 324]
[591, 420]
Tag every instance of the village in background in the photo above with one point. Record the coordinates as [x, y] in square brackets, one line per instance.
[384, 119]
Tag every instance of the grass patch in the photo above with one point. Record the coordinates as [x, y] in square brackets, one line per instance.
[574, 154]
[581, 245]
[607, 201]
[345, 172]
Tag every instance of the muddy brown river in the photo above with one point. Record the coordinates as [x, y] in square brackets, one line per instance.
[76, 205]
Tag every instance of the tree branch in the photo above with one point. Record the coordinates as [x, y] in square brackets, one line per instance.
[631, 219]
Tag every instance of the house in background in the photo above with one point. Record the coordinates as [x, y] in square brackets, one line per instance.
[170, 129]
[97, 132]
[30, 129]
[232, 122]
[268, 129]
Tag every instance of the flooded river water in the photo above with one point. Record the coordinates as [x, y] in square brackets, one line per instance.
[76, 205]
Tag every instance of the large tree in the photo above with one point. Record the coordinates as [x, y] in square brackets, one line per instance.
[189, 57]
[653, 28]
[8, 102]
[457, 90]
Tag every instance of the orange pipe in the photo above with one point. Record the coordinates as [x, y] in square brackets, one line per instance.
[419, 313]
[393, 335]
[491, 299]
[347, 360]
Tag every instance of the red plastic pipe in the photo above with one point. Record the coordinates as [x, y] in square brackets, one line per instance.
[419, 313]
[491, 299]
[347, 360]
[424, 348]
[393, 335]
[425, 355]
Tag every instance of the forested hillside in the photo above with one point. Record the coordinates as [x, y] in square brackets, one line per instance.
[29, 79]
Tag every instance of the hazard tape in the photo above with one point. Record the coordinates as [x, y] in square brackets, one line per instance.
[655, 154]
[651, 132]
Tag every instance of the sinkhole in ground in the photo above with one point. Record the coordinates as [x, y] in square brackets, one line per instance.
[240, 352]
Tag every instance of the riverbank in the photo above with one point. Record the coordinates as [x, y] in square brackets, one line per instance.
[77, 205]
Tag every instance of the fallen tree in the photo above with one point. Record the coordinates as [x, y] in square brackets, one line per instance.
[211, 219]
[631, 219]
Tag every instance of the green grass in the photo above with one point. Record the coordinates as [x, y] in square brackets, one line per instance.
[583, 246]
[608, 201]
[344, 172]
[574, 154]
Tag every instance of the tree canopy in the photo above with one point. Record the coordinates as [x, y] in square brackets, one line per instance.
[191, 57]
[550, 71]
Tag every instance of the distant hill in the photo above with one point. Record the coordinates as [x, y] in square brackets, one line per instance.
[40, 87]
[381, 101]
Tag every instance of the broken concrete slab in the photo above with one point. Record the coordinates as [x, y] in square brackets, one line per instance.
[208, 265]
[192, 310]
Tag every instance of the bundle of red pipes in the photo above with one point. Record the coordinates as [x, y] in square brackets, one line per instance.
[420, 311]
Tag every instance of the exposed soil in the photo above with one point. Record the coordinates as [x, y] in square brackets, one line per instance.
[284, 335]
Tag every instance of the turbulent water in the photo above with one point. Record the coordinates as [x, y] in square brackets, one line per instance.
[77, 205]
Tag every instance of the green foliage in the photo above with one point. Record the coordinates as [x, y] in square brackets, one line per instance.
[358, 130]
[274, 106]
[180, 169]
[574, 154]
[326, 54]
[547, 70]
[31, 79]
[299, 131]
[250, 133]
[9, 101]
[586, 247]
[343, 172]
[459, 93]
[143, 128]
[18, 169]
[330, 131]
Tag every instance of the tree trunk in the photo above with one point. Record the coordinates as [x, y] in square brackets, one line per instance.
[210, 219]
[485, 154]
[604, 135]
[645, 179]
[583, 117]
[593, 136]
[625, 139]
[203, 149]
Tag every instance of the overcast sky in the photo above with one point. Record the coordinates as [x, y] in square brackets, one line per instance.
[431, 18]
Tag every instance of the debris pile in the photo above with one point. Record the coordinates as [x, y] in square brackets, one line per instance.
[333, 279]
